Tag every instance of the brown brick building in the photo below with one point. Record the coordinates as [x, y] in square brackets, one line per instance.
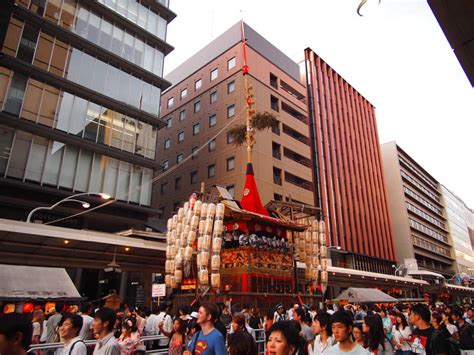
[208, 94]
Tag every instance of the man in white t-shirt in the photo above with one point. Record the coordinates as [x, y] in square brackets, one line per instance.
[341, 325]
[164, 320]
[151, 326]
[86, 330]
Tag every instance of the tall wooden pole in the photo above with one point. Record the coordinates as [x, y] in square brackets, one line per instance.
[248, 99]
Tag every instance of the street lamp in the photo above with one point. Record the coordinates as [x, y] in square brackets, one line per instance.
[68, 199]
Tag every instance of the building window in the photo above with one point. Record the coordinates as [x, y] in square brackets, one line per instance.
[167, 143]
[179, 158]
[182, 115]
[184, 93]
[194, 177]
[197, 84]
[276, 129]
[197, 106]
[273, 81]
[231, 63]
[231, 87]
[212, 145]
[214, 74]
[274, 103]
[170, 102]
[230, 111]
[15, 94]
[169, 122]
[277, 197]
[230, 138]
[230, 163]
[177, 183]
[212, 120]
[26, 49]
[213, 97]
[163, 188]
[165, 165]
[194, 152]
[276, 150]
[180, 136]
[211, 170]
[195, 129]
[277, 176]
[231, 190]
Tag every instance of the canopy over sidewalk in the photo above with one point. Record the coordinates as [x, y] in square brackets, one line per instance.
[23, 283]
[365, 295]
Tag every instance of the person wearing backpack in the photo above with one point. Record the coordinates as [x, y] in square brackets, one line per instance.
[69, 328]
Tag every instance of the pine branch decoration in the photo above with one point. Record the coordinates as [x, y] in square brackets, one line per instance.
[260, 121]
[265, 120]
[238, 134]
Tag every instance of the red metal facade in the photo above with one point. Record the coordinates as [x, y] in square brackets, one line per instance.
[352, 190]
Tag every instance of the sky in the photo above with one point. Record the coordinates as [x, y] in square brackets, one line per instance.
[396, 56]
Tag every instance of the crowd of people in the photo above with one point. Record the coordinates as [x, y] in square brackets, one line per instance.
[214, 329]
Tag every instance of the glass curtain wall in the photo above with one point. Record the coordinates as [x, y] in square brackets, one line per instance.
[32, 158]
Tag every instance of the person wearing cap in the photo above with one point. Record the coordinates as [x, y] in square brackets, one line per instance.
[279, 314]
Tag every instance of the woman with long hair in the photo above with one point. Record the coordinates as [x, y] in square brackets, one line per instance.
[375, 340]
[239, 327]
[177, 338]
[401, 335]
[452, 329]
[130, 338]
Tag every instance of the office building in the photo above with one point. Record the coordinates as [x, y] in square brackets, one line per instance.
[420, 230]
[207, 98]
[457, 216]
[80, 86]
[347, 169]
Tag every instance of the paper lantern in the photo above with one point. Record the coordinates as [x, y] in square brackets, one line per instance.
[9, 308]
[215, 280]
[48, 307]
[197, 207]
[211, 211]
[216, 245]
[203, 277]
[215, 262]
[220, 208]
[28, 307]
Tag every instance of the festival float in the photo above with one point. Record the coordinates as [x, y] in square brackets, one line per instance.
[221, 248]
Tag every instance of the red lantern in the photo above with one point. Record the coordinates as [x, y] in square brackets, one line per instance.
[28, 308]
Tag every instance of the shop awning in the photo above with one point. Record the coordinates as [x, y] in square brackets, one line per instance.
[460, 289]
[425, 273]
[22, 283]
[365, 295]
[351, 274]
